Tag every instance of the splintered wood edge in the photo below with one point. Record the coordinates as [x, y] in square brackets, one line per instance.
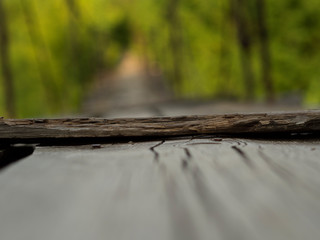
[229, 124]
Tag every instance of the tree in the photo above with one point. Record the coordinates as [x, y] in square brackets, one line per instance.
[74, 14]
[5, 63]
[175, 42]
[239, 11]
[264, 50]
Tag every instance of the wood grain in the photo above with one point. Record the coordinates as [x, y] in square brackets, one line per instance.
[186, 189]
[282, 122]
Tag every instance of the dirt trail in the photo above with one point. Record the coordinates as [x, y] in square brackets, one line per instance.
[125, 91]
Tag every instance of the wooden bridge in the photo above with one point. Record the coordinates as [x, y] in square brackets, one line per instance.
[212, 176]
[161, 178]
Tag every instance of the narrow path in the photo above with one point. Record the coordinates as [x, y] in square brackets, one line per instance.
[128, 91]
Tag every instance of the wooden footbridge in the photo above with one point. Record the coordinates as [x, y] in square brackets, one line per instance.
[235, 176]
[170, 175]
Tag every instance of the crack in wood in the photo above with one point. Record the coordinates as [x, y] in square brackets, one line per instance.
[244, 156]
[211, 204]
[185, 160]
[188, 153]
[183, 226]
[155, 153]
[201, 143]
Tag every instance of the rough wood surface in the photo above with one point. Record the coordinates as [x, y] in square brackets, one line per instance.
[189, 189]
[284, 122]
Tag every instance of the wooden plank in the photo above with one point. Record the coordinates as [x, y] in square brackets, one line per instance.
[189, 189]
[293, 122]
[114, 192]
[247, 189]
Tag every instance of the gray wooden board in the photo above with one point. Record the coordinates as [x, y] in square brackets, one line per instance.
[179, 189]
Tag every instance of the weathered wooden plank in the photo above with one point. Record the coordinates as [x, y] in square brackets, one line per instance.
[182, 189]
[257, 189]
[294, 122]
[114, 192]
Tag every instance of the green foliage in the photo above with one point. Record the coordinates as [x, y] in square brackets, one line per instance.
[211, 63]
[55, 57]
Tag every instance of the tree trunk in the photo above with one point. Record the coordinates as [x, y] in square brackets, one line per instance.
[73, 30]
[224, 86]
[175, 42]
[265, 51]
[239, 9]
[5, 63]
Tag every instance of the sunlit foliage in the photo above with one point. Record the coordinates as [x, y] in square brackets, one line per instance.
[58, 46]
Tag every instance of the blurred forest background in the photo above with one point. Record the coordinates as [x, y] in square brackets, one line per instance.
[250, 50]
